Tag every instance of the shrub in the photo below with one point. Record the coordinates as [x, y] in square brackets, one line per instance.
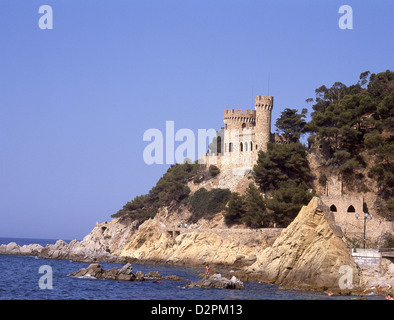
[204, 204]
[389, 242]
[170, 187]
[213, 170]
[248, 208]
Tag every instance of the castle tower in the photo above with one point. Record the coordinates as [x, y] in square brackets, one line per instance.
[263, 106]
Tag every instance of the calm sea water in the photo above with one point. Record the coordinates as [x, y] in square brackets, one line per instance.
[19, 280]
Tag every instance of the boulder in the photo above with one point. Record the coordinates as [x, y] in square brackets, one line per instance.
[308, 254]
[217, 281]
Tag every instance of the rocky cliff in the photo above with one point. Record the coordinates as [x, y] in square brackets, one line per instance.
[160, 240]
[154, 242]
[308, 254]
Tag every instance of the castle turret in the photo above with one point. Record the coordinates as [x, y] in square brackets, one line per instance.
[263, 106]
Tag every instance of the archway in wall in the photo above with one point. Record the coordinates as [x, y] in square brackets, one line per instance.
[241, 147]
[333, 208]
[351, 209]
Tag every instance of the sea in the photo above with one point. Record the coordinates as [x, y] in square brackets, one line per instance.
[26, 277]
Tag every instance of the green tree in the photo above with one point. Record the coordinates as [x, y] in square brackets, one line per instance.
[235, 209]
[171, 187]
[213, 170]
[204, 204]
[283, 173]
[287, 200]
[256, 214]
[292, 124]
[281, 162]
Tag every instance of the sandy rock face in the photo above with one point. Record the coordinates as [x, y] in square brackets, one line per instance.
[308, 254]
[153, 242]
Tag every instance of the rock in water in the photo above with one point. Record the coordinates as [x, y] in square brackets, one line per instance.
[217, 281]
[308, 254]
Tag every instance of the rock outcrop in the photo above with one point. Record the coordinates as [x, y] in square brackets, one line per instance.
[153, 242]
[308, 254]
[217, 281]
[75, 250]
[95, 271]
[14, 248]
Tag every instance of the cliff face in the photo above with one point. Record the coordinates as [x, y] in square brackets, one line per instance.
[153, 242]
[308, 254]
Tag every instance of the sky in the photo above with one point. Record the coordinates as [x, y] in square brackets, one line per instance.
[75, 100]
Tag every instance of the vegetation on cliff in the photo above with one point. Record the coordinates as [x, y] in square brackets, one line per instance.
[170, 187]
[248, 208]
[353, 126]
[205, 204]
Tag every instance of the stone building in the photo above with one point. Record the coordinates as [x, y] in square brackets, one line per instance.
[243, 135]
[339, 203]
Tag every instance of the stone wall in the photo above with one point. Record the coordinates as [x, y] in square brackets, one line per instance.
[366, 257]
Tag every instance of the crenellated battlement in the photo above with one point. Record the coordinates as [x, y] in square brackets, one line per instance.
[230, 113]
[245, 133]
[264, 102]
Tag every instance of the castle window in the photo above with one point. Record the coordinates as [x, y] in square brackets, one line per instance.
[225, 126]
[241, 147]
[230, 147]
[251, 145]
[257, 147]
[333, 208]
[351, 209]
[243, 125]
[219, 145]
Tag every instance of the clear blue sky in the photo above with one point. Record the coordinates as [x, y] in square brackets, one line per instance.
[76, 100]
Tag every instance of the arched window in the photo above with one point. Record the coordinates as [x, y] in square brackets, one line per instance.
[257, 147]
[243, 125]
[251, 145]
[219, 144]
[230, 147]
[333, 208]
[241, 147]
[351, 209]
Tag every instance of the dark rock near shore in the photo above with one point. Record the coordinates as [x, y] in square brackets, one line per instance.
[95, 271]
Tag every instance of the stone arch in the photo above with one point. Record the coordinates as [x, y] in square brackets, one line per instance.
[351, 209]
[333, 208]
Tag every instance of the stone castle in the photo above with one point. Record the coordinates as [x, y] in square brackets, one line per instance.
[243, 135]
